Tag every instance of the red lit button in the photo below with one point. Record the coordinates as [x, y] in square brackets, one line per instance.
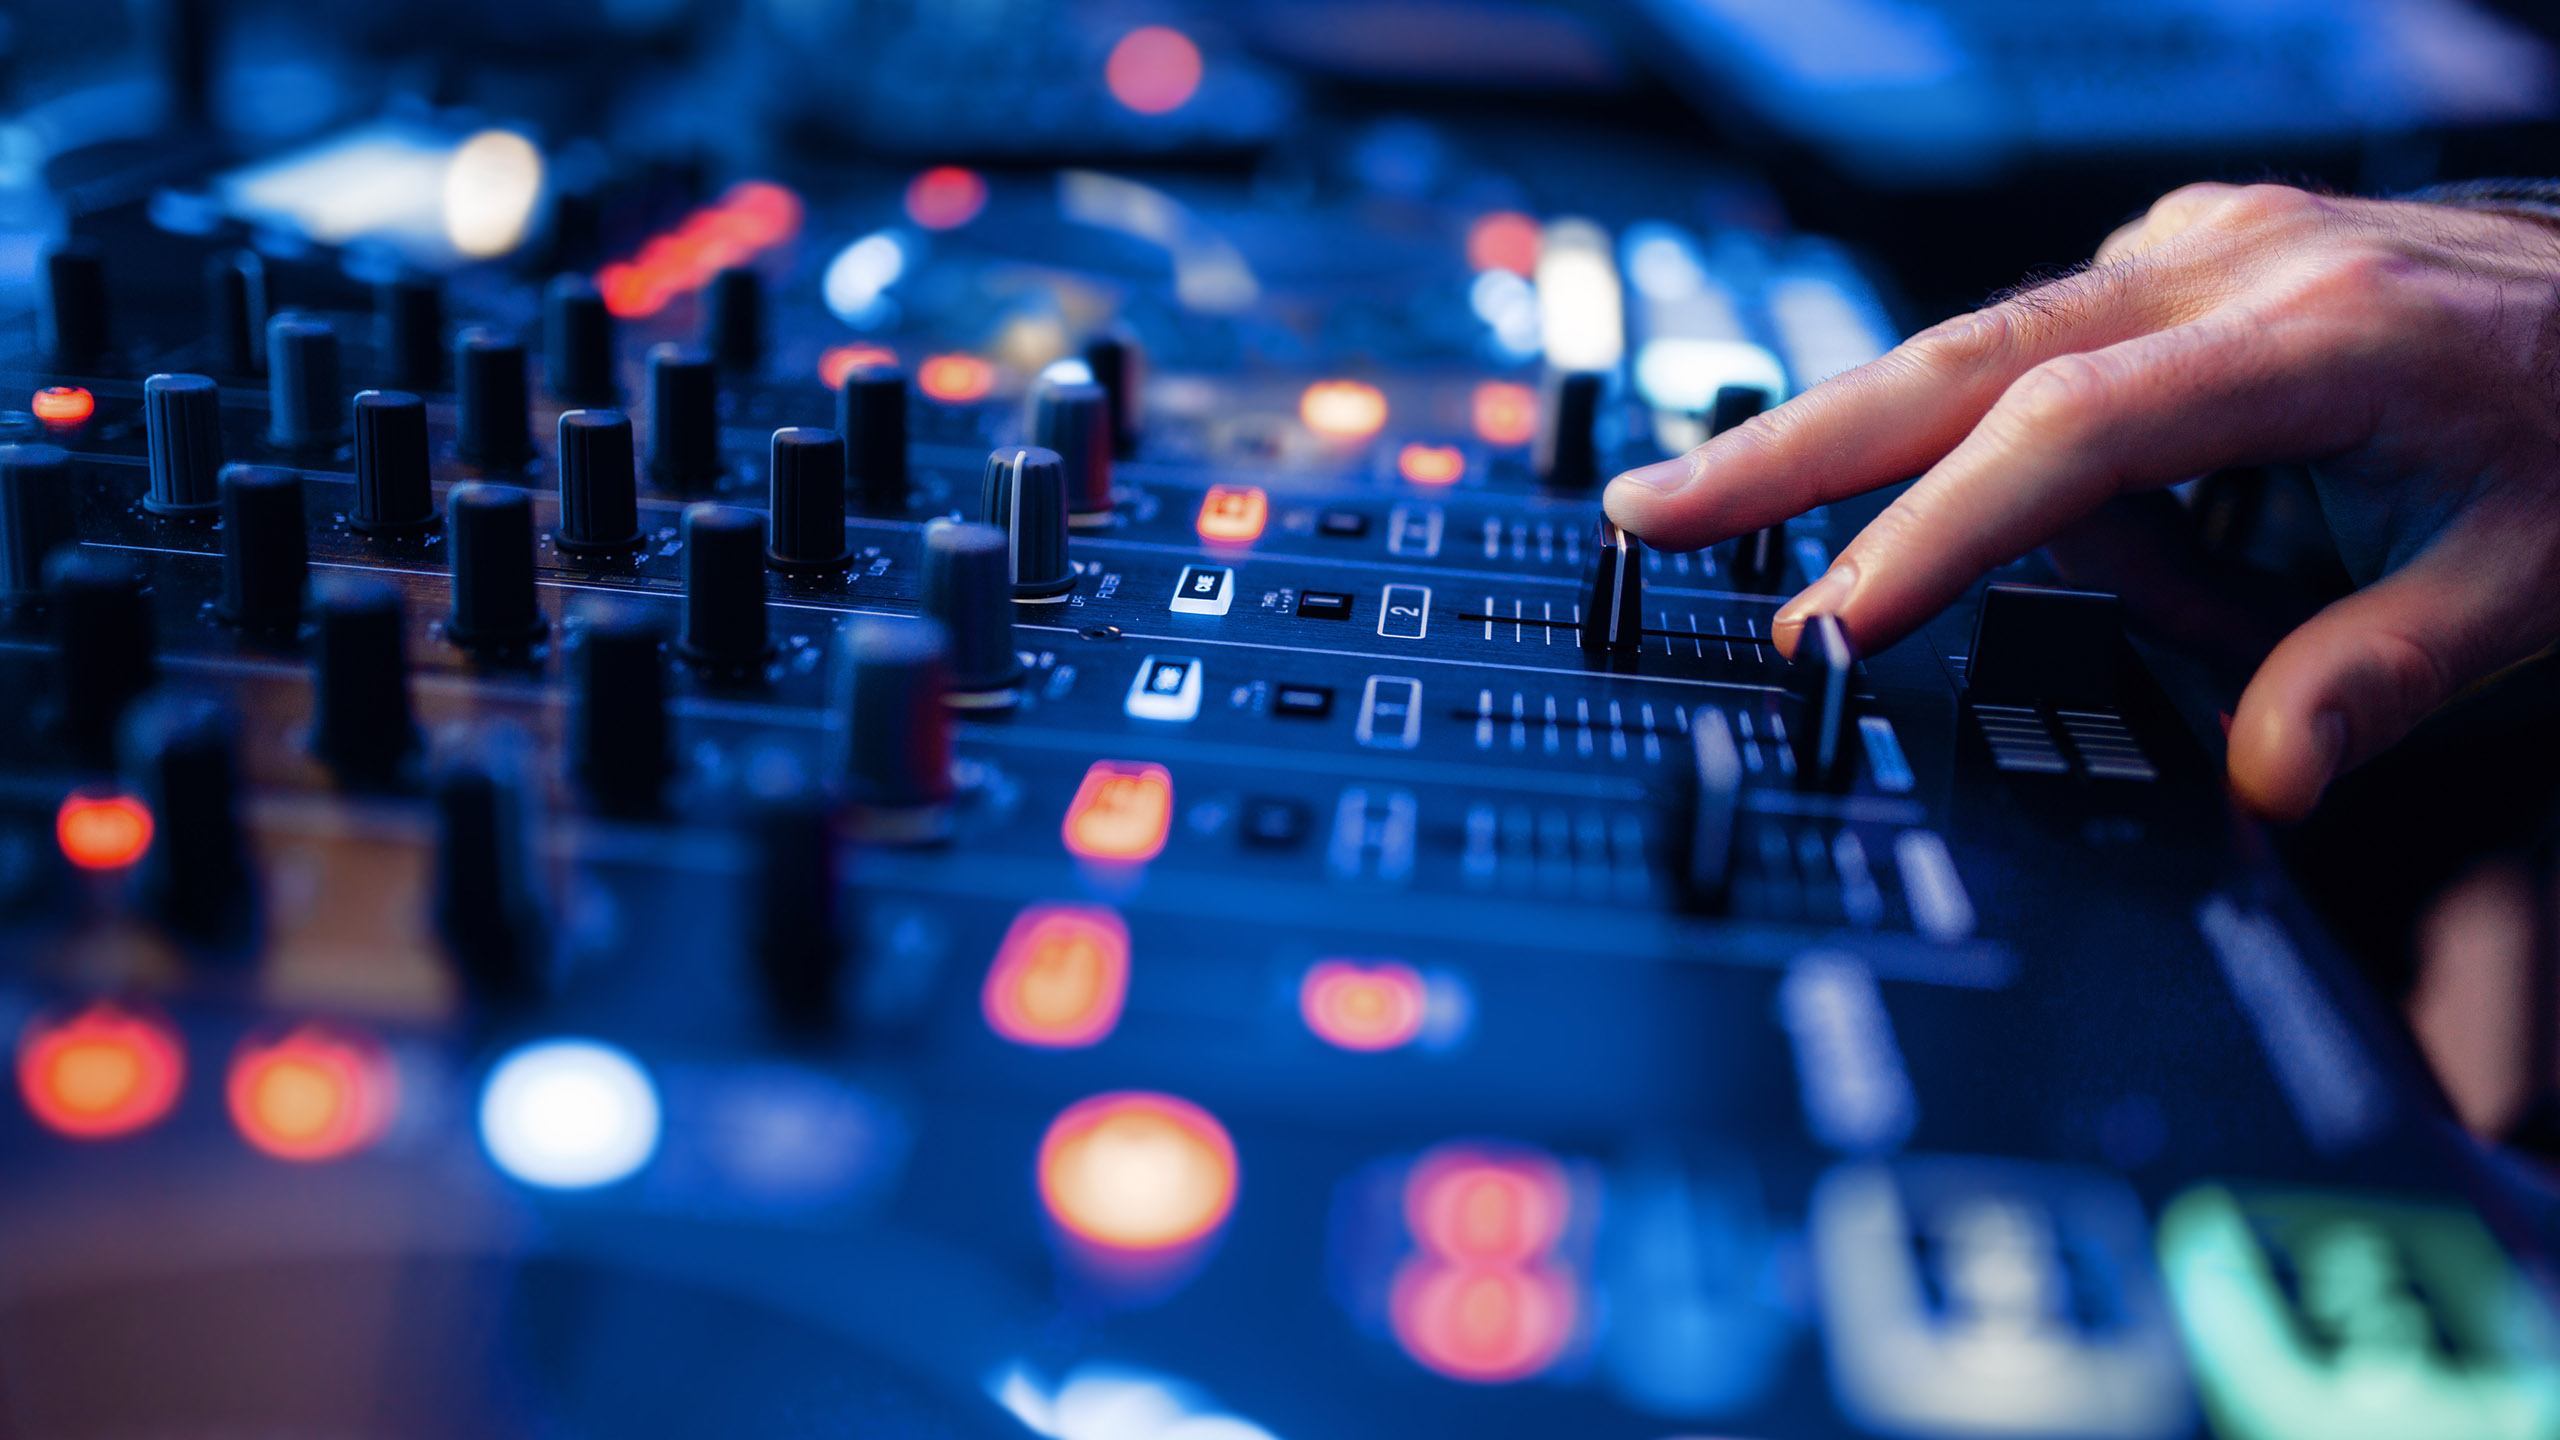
[1234, 513]
[1431, 464]
[946, 197]
[1122, 811]
[314, 1094]
[101, 1073]
[63, 405]
[1484, 1297]
[1359, 1007]
[1153, 70]
[1504, 240]
[1059, 976]
[102, 832]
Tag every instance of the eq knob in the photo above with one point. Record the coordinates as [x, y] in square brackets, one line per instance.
[808, 501]
[178, 753]
[492, 397]
[967, 592]
[1759, 558]
[39, 510]
[871, 413]
[618, 737]
[1119, 369]
[796, 931]
[578, 343]
[1613, 594]
[182, 432]
[1818, 682]
[1074, 419]
[71, 311]
[361, 725]
[306, 405]
[395, 493]
[1025, 495]
[733, 320]
[896, 762]
[408, 324]
[104, 642]
[235, 292]
[684, 417]
[1567, 453]
[266, 559]
[599, 484]
[486, 908]
[724, 619]
[489, 535]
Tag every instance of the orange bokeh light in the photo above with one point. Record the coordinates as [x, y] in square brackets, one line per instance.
[1504, 240]
[102, 832]
[1137, 1172]
[63, 405]
[1059, 977]
[1343, 409]
[1233, 513]
[1153, 70]
[1122, 811]
[103, 1072]
[1483, 1298]
[1506, 413]
[946, 197]
[955, 379]
[313, 1094]
[750, 218]
[1362, 1007]
[840, 361]
[1431, 464]
[1483, 1324]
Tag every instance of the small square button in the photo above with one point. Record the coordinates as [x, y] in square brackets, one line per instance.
[1343, 524]
[1272, 824]
[1204, 590]
[1324, 604]
[1312, 701]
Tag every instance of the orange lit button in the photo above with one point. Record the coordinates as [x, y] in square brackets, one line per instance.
[1234, 513]
[63, 405]
[1431, 464]
[102, 832]
[313, 1094]
[1059, 977]
[839, 361]
[955, 379]
[1505, 413]
[1135, 1171]
[1360, 1007]
[101, 1073]
[1122, 811]
[946, 197]
[1343, 409]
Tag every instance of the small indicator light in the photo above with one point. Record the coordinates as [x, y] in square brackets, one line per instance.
[102, 832]
[1059, 977]
[840, 361]
[313, 1094]
[1153, 70]
[103, 1072]
[63, 405]
[955, 379]
[1506, 413]
[1343, 409]
[946, 197]
[1234, 514]
[569, 1115]
[1364, 1008]
[1431, 464]
[1504, 240]
[1135, 1171]
[1122, 811]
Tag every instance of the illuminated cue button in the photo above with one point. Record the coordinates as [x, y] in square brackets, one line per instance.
[1138, 1172]
[311, 1095]
[1234, 513]
[1363, 1008]
[1204, 590]
[101, 1073]
[1059, 977]
[1166, 687]
[569, 1115]
[1121, 811]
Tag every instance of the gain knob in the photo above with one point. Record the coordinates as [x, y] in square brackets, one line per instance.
[486, 907]
[1074, 419]
[489, 535]
[967, 591]
[493, 397]
[1818, 680]
[104, 648]
[408, 326]
[306, 405]
[182, 431]
[618, 738]
[178, 753]
[1025, 495]
[395, 493]
[733, 320]
[599, 484]
[896, 762]
[361, 726]
[684, 418]
[871, 413]
[724, 620]
[1119, 369]
[1613, 594]
[1567, 454]
[71, 310]
[266, 558]
[578, 343]
[39, 514]
[808, 501]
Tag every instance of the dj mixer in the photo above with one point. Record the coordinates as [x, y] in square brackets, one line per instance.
[866, 798]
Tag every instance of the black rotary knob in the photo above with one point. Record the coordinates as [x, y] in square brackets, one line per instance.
[235, 294]
[487, 909]
[493, 397]
[361, 726]
[724, 620]
[1025, 495]
[1567, 453]
[39, 514]
[889, 682]
[182, 430]
[1613, 593]
[968, 592]
[808, 500]
[394, 485]
[408, 323]
[266, 559]
[795, 922]
[1119, 369]
[489, 534]
[179, 753]
[599, 486]
[578, 343]
[71, 312]
[1074, 419]
[871, 412]
[684, 417]
[618, 737]
[306, 405]
[733, 320]
[105, 647]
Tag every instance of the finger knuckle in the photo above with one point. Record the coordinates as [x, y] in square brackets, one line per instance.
[2265, 207]
[2413, 678]
[2059, 398]
[1966, 342]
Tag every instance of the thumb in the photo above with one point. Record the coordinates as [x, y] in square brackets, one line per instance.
[2356, 677]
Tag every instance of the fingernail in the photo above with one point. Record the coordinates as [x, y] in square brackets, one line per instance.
[1668, 477]
[2328, 744]
[1823, 597]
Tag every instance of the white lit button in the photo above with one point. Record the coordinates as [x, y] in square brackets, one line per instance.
[1204, 590]
[1166, 687]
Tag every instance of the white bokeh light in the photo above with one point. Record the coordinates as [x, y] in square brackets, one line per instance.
[569, 1115]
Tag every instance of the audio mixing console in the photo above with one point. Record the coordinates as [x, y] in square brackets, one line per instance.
[898, 805]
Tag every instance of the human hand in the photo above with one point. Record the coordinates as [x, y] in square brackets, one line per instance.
[2410, 352]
